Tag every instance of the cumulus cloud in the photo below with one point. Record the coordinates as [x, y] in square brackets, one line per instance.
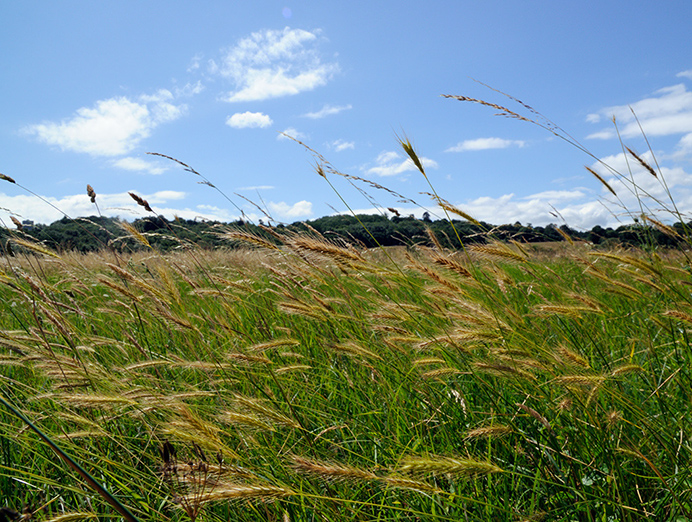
[327, 110]
[685, 74]
[541, 209]
[391, 163]
[282, 210]
[118, 204]
[667, 112]
[245, 120]
[485, 144]
[111, 127]
[139, 165]
[271, 64]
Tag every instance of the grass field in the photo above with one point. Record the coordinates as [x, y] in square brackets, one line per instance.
[313, 381]
[307, 379]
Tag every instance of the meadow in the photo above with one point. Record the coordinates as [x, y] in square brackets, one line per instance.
[306, 378]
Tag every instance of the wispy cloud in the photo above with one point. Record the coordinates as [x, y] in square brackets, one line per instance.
[685, 74]
[293, 133]
[389, 163]
[245, 120]
[257, 187]
[327, 110]
[111, 127]
[139, 165]
[271, 64]
[341, 145]
[485, 144]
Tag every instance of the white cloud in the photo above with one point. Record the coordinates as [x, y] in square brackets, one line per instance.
[112, 127]
[685, 74]
[341, 145]
[249, 119]
[283, 210]
[258, 187]
[293, 133]
[539, 210]
[195, 62]
[485, 144]
[272, 64]
[390, 163]
[139, 165]
[327, 110]
[666, 113]
[118, 204]
[189, 89]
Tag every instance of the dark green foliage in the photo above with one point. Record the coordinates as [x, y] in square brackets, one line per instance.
[371, 230]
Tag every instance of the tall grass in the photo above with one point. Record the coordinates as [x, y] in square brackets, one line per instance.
[308, 379]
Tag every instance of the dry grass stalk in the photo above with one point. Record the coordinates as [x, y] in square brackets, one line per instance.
[141, 202]
[498, 250]
[17, 223]
[259, 493]
[503, 370]
[451, 264]
[433, 275]
[433, 239]
[573, 311]
[533, 413]
[248, 358]
[276, 343]
[636, 262]
[247, 237]
[414, 485]
[428, 360]
[667, 230]
[456, 467]
[118, 288]
[312, 312]
[293, 368]
[249, 421]
[572, 357]
[625, 369]
[91, 193]
[581, 380]
[603, 181]
[73, 517]
[34, 247]
[265, 411]
[629, 291]
[136, 234]
[643, 163]
[105, 402]
[352, 348]
[332, 472]
[440, 373]
[340, 472]
[488, 432]
[677, 314]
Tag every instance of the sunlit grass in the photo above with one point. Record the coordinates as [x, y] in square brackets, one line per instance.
[309, 379]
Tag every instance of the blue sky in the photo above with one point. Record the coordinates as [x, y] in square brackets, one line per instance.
[89, 87]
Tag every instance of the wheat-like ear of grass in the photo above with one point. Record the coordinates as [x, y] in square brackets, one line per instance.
[600, 178]
[457, 467]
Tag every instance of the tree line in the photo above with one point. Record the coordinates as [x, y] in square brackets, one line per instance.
[95, 233]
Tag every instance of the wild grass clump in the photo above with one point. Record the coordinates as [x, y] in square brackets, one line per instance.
[303, 378]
